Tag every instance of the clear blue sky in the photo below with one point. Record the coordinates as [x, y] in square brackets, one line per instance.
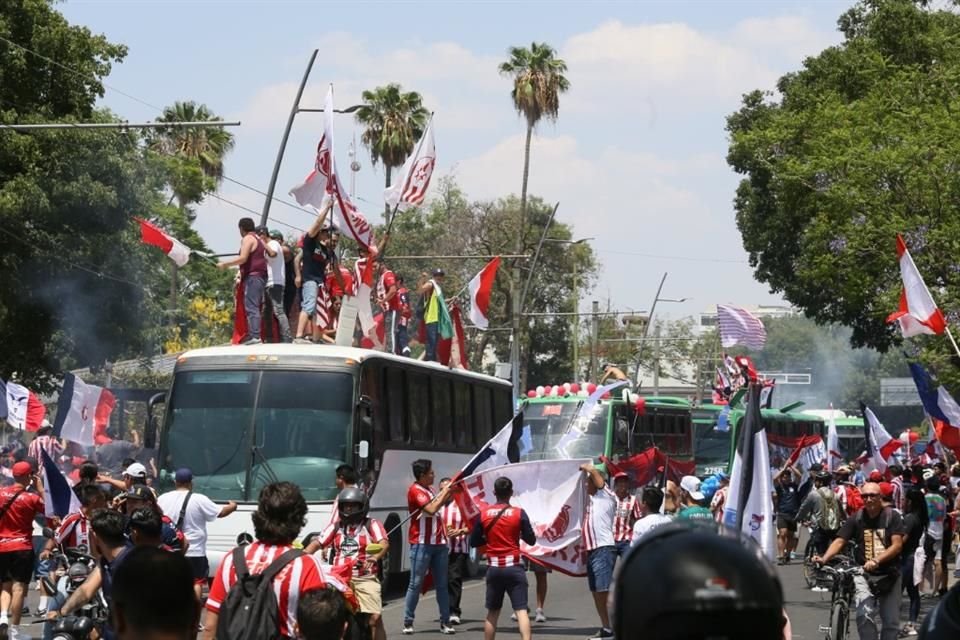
[636, 159]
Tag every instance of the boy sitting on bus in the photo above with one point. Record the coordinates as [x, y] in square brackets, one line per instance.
[360, 540]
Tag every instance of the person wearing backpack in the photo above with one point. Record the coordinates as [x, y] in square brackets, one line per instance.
[822, 509]
[878, 534]
[243, 603]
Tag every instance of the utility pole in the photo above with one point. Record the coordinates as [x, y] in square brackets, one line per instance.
[656, 360]
[594, 339]
[576, 326]
[698, 392]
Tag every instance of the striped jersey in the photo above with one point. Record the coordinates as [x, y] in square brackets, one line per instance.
[628, 512]
[74, 531]
[349, 542]
[503, 527]
[299, 576]
[598, 519]
[50, 444]
[424, 528]
[453, 519]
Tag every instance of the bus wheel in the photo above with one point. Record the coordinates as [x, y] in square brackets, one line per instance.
[392, 562]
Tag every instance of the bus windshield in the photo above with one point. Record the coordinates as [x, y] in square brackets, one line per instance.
[711, 447]
[548, 422]
[240, 430]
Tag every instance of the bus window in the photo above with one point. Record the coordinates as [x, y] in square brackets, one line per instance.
[442, 411]
[482, 409]
[372, 387]
[502, 409]
[396, 405]
[462, 416]
[418, 408]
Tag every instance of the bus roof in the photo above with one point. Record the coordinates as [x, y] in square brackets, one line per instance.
[652, 401]
[321, 352]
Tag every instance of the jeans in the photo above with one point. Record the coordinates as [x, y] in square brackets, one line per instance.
[275, 299]
[622, 547]
[390, 330]
[877, 613]
[53, 604]
[435, 558]
[253, 286]
[403, 340]
[457, 572]
[906, 572]
[433, 336]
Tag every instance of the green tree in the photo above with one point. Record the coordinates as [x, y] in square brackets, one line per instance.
[393, 121]
[858, 145]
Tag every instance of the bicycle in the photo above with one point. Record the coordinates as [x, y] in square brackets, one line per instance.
[841, 598]
[811, 571]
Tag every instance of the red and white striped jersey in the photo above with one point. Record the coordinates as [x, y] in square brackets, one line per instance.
[424, 528]
[628, 512]
[50, 444]
[502, 532]
[350, 543]
[718, 502]
[299, 576]
[598, 519]
[74, 531]
[453, 519]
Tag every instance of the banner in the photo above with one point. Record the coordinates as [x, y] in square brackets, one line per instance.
[647, 467]
[799, 451]
[581, 420]
[553, 493]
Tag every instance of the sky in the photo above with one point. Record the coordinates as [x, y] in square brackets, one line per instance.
[636, 158]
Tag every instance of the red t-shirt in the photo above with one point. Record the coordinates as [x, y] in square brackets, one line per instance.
[334, 287]
[503, 537]
[388, 280]
[16, 527]
[424, 528]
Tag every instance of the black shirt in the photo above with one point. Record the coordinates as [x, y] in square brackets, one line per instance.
[110, 456]
[788, 499]
[315, 259]
[912, 530]
[873, 535]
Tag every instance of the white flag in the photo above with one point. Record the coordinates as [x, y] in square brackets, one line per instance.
[833, 443]
[411, 189]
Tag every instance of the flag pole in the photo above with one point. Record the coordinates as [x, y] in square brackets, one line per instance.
[953, 341]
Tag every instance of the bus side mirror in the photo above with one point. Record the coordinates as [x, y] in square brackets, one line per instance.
[153, 421]
[363, 450]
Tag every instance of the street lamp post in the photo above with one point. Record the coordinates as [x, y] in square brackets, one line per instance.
[576, 305]
[646, 328]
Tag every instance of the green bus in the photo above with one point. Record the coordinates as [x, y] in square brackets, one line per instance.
[614, 430]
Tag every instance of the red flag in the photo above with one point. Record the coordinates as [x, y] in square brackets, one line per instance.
[917, 313]
[947, 435]
[643, 467]
[157, 237]
[481, 286]
[239, 316]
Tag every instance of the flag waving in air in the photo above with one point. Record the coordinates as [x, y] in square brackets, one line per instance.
[59, 499]
[739, 326]
[154, 235]
[83, 411]
[411, 189]
[880, 445]
[21, 407]
[749, 507]
[938, 403]
[834, 457]
[918, 313]
[481, 286]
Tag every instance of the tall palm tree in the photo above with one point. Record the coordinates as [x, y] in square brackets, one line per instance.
[394, 120]
[538, 81]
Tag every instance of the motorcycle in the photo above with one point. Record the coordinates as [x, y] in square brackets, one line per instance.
[69, 568]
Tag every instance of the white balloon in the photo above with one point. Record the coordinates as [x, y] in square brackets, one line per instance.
[566, 387]
[540, 391]
[583, 393]
[553, 392]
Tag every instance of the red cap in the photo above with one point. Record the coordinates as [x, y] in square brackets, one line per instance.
[21, 469]
[620, 474]
[875, 476]
[886, 488]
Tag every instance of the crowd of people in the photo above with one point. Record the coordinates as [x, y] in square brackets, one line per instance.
[293, 292]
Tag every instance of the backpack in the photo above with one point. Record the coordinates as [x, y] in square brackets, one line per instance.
[830, 516]
[854, 500]
[250, 610]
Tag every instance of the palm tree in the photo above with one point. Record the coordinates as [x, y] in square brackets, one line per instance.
[394, 120]
[538, 81]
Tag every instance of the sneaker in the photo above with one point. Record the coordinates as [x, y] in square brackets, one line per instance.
[540, 616]
[819, 589]
[13, 633]
[602, 634]
[910, 630]
[513, 616]
[251, 341]
[407, 629]
[454, 619]
[302, 341]
[447, 630]
[39, 613]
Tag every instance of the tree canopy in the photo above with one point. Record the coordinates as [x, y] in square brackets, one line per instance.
[859, 144]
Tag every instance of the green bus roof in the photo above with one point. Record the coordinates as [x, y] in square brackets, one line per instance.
[657, 401]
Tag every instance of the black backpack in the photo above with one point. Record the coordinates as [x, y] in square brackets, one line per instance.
[250, 611]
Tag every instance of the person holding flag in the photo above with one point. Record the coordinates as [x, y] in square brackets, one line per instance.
[435, 314]
[252, 261]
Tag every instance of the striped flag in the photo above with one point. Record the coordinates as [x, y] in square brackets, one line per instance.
[58, 498]
[880, 444]
[83, 411]
[749, 505]
[739, 326]
[157, 237]
[917, 313]
[480, 289]
[411, 190]
[834, 457]
[20, 407]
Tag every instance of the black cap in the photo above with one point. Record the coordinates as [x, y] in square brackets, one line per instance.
[438, 272]
[263, 230]
[140, 492]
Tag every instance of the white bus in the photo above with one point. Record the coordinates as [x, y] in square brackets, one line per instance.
[242, 417]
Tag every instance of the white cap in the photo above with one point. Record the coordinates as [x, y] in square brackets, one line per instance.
[929, 473]
[45, 423]
[691, 484]
[136, 470]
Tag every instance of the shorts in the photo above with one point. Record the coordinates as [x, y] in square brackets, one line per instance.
[200, 567]
[786, 521]
[511, 581]
[367, 590]
[600, 563]
[308, 296]
[17, 566]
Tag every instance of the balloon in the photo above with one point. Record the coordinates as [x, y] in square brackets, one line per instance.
[532, 393]
[540, 391]
[606, 396]
[583, 393]
[591, 388]
[567, 387]
[574, 388]
[553, 392]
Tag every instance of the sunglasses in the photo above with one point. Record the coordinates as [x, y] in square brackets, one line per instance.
[870, 495]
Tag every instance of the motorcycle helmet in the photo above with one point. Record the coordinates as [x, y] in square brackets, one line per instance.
[352, 505]
[709, 582]
[944, 621]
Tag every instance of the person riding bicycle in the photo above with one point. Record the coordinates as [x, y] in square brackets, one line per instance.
[878, 534]
[712, 583]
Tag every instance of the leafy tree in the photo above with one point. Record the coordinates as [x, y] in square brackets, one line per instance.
[858, 145]
[209, 324]
[394, 120]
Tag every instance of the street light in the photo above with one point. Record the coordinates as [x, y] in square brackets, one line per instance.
[576, 305]
[643, 338]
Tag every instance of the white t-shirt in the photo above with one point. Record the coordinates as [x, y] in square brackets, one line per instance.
[647, 524]
[598, 525]
[200, 511]
[275, 265]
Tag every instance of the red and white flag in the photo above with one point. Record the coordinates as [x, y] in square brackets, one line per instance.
[323, 182]
[880, 444]
[21, 407]
[918, 313]
[83, 411]
[480, 289]
[739, 326]
[154, 235]
[452, 351]
[411, 190]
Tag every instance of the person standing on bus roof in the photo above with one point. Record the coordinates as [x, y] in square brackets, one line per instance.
[428, 545]
[312, 269]
[431, 313]
[276, 279]
[403, 318]
[253, 274]
[388, 300]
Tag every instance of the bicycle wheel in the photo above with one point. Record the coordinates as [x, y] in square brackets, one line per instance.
[810, 571]
[838, 621]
